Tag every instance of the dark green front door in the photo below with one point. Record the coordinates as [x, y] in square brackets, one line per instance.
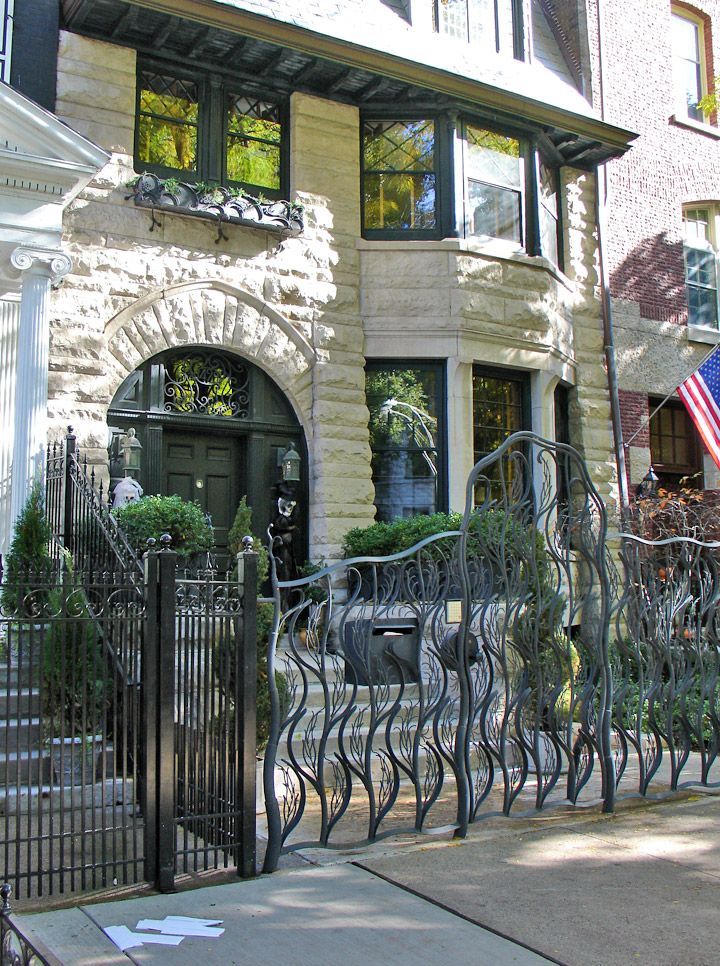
[208, 469]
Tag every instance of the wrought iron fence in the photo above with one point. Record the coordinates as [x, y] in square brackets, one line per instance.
[17, 949]
[127, 713]
[474, 672]
[78, 510]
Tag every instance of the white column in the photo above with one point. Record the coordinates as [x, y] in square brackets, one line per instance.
[41, 266]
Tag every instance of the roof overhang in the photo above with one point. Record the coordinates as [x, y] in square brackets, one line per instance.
[582, 139]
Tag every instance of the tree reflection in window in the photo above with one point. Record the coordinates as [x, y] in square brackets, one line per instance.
[209, 384]
[403, 404]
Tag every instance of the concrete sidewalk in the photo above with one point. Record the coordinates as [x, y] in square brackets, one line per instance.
[640, 886]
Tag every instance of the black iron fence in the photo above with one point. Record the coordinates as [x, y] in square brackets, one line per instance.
[15, 947]
[522, 659]
[127, 720]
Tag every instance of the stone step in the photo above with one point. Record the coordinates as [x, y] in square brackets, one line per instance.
[18, 701]
[23, 732]
[32, 799]
[25, 767]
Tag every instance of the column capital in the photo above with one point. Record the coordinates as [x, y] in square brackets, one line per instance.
[51, 262]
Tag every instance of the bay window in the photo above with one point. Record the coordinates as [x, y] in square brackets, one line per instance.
[501, 407]
[509, 190]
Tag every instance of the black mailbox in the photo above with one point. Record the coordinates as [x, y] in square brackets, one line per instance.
[382, 651]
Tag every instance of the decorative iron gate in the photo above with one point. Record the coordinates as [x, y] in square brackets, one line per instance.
[127, 707]
[477, 668]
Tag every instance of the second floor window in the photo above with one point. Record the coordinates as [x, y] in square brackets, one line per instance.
[689, 77]
[700, 250]
[491, 25]
[399, 175]
[494, 182]
[201, 129]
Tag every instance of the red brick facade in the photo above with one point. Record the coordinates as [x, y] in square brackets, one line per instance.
[672, 163]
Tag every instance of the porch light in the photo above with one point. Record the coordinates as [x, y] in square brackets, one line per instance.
[648, 486]
[130, 448]
[291, 465]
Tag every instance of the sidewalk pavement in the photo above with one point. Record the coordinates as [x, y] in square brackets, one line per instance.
[640, 886]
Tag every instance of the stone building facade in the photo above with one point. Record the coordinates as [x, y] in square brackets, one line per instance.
[467, 274]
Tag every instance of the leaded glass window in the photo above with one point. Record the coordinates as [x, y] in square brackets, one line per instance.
[253, 142]
[167, 122]
[399, 175]
[210, 384]
[210, 130]
[486, 24]
[500, 408]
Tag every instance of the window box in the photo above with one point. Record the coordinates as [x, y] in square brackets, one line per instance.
[214, 202]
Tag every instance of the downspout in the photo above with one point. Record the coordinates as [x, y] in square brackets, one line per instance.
[601, 198]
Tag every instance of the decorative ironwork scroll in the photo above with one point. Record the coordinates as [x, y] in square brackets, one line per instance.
[207, 383]
[218, 203]
[666, 657]
[475, 659]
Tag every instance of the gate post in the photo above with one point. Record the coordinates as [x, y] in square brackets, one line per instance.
[245, 713]
[67, 531]
[158, 699]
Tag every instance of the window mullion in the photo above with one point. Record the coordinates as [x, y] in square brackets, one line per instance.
[213, 140]
[532, 200]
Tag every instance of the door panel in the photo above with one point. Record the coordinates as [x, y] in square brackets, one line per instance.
[209, 471]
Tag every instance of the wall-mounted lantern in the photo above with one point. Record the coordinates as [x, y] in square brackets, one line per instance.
[291, 465]
[130, 449]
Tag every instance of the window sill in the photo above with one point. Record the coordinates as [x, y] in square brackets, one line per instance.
[698, 126]
[216, 204]
[494, 248]
[701, 333]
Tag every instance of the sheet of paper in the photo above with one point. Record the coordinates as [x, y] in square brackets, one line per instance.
[125, 938]
[178, 926]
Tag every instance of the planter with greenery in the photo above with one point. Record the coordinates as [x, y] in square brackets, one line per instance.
[152, 516]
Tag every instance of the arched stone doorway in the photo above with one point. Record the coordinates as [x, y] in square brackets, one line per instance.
[212, 428]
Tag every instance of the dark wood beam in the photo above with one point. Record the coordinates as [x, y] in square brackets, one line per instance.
[163, 32]
[338, 81]
[126, 19]
[196, 43]
[272, 63]
[369, 90]
[305, 71]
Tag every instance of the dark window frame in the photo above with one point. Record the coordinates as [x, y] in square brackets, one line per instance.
[439, 368]
[670, 473]
[442, 158]
[213, 93]
[518, 376]
[449, 223]
[518, 27]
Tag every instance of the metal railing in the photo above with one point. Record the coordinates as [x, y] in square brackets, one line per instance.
[522, 660]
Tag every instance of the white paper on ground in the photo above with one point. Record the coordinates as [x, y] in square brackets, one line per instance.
[125, 938]
[200, 922]
[184, 926]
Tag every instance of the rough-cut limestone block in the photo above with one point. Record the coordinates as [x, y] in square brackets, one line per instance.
[475, 305]
[74, 47]
[250, 329]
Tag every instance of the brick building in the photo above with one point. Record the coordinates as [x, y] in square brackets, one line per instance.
[396, 196]
[652, 63]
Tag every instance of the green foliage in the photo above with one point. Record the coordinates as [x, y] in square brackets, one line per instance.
[242, 527]
[27, 564]
[405, 386]
[76, 680]
[384, 539]
[152, 516]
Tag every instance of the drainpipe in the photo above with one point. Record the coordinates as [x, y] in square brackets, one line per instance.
[601, 198]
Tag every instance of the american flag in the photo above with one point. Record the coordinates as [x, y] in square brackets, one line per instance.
[701, 394]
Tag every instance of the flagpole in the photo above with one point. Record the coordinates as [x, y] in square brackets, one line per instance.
[669, 396]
